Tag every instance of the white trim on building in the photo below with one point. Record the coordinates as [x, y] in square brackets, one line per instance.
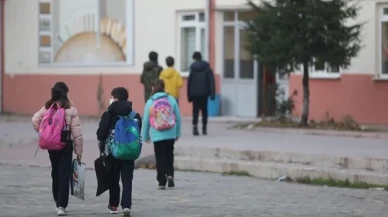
[194, 25]
[382, 21]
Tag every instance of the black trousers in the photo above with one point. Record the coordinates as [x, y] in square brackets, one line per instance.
[164, 154]
[200, 104]
[61, 172]
[125, 169]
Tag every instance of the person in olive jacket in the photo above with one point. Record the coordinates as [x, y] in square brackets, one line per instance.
[200, 85]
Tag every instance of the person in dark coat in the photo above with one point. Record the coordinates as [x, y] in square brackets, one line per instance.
[119, 106]
[200, 85]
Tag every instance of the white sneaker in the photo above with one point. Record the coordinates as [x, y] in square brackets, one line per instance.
[61, 211]
[112, 210]
[126, 212]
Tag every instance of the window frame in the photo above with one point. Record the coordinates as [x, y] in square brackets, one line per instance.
[129, 28]
[198, 25]
[382, 19]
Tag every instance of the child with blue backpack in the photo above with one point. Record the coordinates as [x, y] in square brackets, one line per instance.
[162, 126]
[119, 140]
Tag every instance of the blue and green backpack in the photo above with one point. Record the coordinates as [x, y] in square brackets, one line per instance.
[125, 143]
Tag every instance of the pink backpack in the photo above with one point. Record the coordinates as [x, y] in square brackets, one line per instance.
[162, 115]
[51, 127]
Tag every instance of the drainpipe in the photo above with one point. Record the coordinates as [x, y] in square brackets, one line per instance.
[2, 58]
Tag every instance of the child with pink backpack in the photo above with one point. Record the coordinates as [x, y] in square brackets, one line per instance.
[60, 133]
[162, 126]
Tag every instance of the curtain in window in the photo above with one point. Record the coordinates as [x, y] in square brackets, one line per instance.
[187, 48]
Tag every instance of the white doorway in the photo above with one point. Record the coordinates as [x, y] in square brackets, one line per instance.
[239, 82]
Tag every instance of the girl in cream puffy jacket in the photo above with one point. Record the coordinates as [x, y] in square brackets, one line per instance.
[61, 161]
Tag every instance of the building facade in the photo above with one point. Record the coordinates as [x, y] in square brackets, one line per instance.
[361, 90]
[95, 45]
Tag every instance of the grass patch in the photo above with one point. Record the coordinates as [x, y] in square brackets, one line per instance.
[345, 124]
[236, 173]
[338, 183]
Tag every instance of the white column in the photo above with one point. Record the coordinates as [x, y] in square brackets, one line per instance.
[97, 24]
[207, 29]
[130, 27]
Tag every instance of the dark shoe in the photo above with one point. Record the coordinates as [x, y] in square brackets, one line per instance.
[161, 187]
[171, 182]
[195, 131]
[112, 209]
[204, 131]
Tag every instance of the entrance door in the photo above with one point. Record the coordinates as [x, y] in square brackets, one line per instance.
[247, 71]
[239, 81]
[229, 86]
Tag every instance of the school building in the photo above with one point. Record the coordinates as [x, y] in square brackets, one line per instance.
[95, 45]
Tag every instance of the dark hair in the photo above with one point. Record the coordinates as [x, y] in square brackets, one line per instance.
[158, 86]
[62, 85]
[153, 56]
[197, 56]
[120, 93]
[170, 61]
[59, 95]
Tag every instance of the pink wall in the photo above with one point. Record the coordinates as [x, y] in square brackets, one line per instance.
[25, 94]
[356, 95]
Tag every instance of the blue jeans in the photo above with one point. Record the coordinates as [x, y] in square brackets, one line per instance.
[125, 169]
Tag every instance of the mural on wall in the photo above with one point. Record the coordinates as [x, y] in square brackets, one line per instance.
[87, 31]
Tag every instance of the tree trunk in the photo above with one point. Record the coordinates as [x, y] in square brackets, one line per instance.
[306, 95]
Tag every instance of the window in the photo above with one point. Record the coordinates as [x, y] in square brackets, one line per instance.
[238, 61]
[87, 32]
[229, 52]
[229, 16]
[383, 50]
[192, 35]
[323, 70]
[246, 60]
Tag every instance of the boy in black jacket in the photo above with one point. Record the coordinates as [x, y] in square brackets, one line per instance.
[119, 106]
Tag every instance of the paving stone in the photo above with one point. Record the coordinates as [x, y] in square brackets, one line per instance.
[26, 191]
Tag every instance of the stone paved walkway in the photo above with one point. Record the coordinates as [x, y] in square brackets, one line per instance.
[26, 191]
[18, 143]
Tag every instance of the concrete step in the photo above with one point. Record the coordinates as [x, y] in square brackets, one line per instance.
[271, 170]
[313, 160]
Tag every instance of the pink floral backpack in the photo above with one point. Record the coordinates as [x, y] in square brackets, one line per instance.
[162, 116]
[51, 128]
